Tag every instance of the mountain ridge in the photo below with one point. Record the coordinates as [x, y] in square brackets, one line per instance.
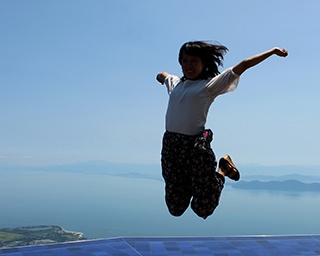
[153, 171]
[287, 185]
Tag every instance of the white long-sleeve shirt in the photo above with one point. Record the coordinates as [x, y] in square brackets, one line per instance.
[189, 100]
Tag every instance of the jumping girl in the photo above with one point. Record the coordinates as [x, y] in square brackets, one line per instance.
[188, 162]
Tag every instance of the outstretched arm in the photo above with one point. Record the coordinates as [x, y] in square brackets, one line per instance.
[161, 77]
[254, 60]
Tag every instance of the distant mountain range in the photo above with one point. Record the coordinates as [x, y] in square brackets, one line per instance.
[253, 177]
[146, 171]
[287, 185]
[304, 178]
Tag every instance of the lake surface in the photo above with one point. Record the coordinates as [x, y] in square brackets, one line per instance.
[104, 206]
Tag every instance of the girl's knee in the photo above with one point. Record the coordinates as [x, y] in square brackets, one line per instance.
[203, 210]
[176, 214]
[176, 211]
[203, 213]
[176, 208]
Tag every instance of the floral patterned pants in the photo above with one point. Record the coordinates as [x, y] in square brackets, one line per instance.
[188, 168]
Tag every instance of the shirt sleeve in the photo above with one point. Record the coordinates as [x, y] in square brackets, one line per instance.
[171, 81]
[225, 82]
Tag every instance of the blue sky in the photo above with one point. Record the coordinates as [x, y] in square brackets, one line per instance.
[77, 79]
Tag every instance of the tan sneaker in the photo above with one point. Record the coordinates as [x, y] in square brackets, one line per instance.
[229, 168]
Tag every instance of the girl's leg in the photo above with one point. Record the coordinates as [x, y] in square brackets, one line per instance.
[177, 198]
[207, 183]
[178, 183]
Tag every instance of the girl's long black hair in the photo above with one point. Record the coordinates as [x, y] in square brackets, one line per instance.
[211, 56]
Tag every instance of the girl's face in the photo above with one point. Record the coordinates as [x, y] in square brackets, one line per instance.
[192, 66]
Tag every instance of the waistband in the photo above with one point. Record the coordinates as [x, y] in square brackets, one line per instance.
[201, 140]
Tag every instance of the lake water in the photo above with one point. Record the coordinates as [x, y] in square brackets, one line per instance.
[104, 206]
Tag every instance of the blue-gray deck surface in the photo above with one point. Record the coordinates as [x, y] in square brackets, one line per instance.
[177, 246]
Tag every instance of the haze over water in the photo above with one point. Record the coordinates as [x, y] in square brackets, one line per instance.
[103, 206]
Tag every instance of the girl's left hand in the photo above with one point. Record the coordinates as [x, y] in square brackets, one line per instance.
[281, 52]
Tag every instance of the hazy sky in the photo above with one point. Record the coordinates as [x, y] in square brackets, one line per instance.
[77, 78]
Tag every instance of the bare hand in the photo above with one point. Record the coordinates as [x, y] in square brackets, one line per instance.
[161, 77]
[281, 52]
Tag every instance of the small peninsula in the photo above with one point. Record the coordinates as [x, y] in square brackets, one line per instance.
[35, 235]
